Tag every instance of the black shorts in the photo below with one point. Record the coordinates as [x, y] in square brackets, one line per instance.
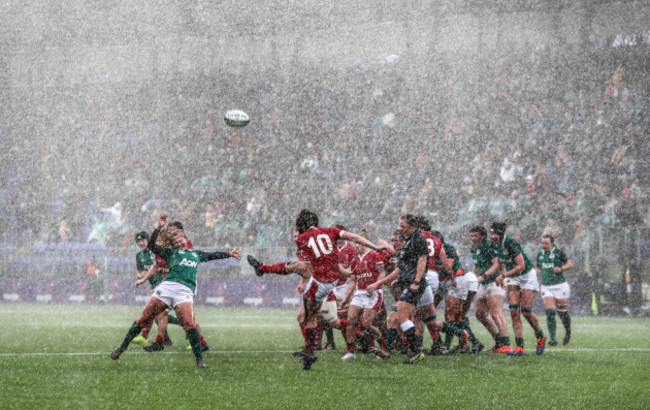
[410, 296]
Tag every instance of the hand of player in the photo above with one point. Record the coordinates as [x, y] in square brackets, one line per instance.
[235, 253]
[369, 291]
[300, 288]
[393, 283]
[139, 282]
[161, 221]
[385, 245]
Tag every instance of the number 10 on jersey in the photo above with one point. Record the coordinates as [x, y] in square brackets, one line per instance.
[322, 245]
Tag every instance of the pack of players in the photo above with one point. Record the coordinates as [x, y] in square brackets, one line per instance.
[343, 277]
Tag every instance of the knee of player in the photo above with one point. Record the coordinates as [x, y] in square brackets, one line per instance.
[549, 312]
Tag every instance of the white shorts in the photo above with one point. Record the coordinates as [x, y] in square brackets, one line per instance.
[173, 294]
[488, 290]
[560, 291]
[460, 290]
[329, 311]
[472, 282]
[427, 297]
[340, 291]
[318, 291]
[362, 300]
[433, 280]
[527, 281]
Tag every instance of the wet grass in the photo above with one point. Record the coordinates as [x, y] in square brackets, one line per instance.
[58, 357]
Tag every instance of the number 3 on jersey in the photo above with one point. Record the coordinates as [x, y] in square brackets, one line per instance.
[432, 247]
[321, 245]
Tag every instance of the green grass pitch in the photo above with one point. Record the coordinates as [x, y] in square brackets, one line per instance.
[58, 357]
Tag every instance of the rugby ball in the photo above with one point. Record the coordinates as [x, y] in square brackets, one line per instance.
[236, 118]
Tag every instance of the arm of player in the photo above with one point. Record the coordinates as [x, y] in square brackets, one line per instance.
[382, 275]
[159, 250]
[383, 244]
[521, 265]
[422, 266]
[394, 274]
[566, 266]
[352, 285]
[234, 253]
[447, 263]
[345, 272]
[492, 270]
[153, 269]
[361, 240]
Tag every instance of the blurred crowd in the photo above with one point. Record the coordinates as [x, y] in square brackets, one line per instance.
[557, 145]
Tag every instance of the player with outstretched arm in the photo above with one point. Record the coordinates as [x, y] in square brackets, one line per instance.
[176, 290]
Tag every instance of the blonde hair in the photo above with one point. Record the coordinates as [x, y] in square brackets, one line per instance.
[165, 240]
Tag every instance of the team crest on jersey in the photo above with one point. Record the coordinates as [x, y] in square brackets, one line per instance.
[552, 256]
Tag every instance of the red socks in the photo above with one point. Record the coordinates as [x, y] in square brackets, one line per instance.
[309, 341]
[146, 329]
[278, 268]
[319, 334]
[302, 330]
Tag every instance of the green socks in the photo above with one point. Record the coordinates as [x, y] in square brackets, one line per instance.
[195, 342]
[566, 320]
[465, 325]
[390, 338]
[131, 334]
[551, 323]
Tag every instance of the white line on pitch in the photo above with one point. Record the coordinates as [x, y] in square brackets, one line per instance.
[276, 351]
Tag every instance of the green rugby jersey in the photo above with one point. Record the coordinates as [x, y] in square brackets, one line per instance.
[182, 265]
[546, 261]
[143, 262]
[507, 251]
[482, 256]
[451, 253]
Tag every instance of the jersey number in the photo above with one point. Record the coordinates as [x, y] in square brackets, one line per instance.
[322, 244]
[432, 249]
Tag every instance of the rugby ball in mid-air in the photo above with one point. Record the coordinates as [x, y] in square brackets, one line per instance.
[236, 118]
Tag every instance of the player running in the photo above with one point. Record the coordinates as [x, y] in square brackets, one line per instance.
[364, 303]
[551, 264]
[490, 296]
[521, 280]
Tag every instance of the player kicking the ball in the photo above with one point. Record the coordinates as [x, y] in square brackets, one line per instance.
[320, 270]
